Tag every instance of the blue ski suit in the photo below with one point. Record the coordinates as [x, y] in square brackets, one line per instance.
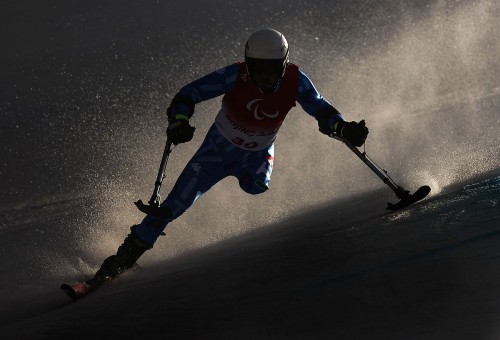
[240, 143]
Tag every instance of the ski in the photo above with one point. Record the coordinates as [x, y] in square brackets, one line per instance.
[410, 198]
[78, 290]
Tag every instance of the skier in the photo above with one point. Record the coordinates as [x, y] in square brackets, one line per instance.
[258, 94]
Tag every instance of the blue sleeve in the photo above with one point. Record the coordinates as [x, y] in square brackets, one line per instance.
[210, 86]
[313, 102]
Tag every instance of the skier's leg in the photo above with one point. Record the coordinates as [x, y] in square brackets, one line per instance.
[207, 167]
[254, 171]
[204, 170]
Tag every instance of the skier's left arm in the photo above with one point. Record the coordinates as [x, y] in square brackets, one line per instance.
[314, 104]
[330, 120]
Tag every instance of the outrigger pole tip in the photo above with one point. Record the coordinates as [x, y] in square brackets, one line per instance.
[406, 198]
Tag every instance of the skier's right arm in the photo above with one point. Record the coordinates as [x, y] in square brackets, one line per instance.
[181, 108]
[210, 86]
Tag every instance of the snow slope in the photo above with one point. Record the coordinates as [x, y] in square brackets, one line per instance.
[348, 271]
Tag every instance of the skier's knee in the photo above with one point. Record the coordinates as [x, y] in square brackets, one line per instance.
[255, 187]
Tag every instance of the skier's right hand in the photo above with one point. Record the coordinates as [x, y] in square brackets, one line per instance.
[179, 130]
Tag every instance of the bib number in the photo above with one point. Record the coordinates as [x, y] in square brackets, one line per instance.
[239, 141]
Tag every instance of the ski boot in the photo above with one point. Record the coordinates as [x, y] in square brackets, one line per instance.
[128, 253]
[126, 256]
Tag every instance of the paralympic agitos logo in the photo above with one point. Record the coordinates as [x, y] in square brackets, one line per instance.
[258, 113]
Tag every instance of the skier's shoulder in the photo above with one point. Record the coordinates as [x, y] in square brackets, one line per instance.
[303, 77]
[216, 82]
[229, 70]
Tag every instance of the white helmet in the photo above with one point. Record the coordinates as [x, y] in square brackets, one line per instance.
[267, 44]
[267, 51]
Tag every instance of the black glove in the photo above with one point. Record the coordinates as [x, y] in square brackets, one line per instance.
[354, 132]
[180, 131]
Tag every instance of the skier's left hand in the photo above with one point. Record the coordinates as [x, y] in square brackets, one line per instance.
[354, 132]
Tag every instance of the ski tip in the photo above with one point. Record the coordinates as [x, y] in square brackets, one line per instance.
[76, 291]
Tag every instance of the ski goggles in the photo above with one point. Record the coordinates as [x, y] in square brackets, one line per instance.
[266, 66]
